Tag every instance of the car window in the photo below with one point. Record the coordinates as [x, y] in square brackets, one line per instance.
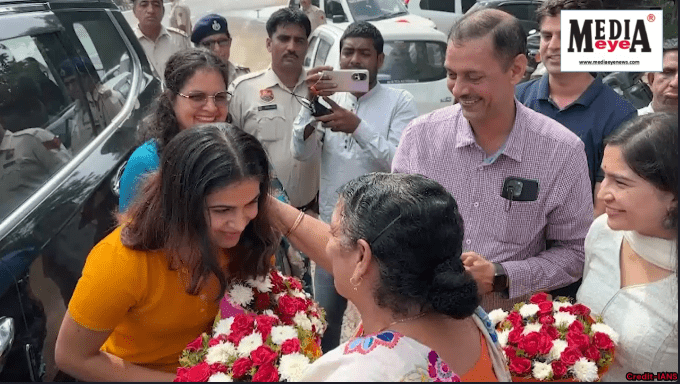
[438, 5]
[322, 52]
[364, 10]
[412, 62]
[467, 4]
[333, 7]
[35, 108]
[310, 52]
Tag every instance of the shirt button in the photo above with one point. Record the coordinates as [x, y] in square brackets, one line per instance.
[476, 205]
[468, 242]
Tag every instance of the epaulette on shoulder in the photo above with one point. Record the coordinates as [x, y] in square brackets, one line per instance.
[177, 30]
[247, 76]
[39, 133]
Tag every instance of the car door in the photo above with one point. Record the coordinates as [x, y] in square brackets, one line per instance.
[60, 65]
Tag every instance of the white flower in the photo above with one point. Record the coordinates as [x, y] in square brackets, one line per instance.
[292, 367]
[533, 327]
[281, 333]
[585, 370]
[220, 353]
[263, 284]
[529, 310]
[503, 337]
[497, 315]
[564, 318]
[541, 371]
[269, 312]
[301, 320]
[241, 295]
[607, 330]
[299, 294]
[559, 304]
[220, 377]
[556, 351]
[223, 327]
[249, 344]
[318, 325]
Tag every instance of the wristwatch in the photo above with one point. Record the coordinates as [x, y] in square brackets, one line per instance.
[500, 278]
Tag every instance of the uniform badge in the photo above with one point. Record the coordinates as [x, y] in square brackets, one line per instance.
[266, 95]
[216, 26]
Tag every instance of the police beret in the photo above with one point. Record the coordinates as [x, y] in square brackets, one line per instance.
[69, 66]
[209, 25]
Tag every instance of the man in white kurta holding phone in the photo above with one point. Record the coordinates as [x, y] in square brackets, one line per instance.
[360, 135]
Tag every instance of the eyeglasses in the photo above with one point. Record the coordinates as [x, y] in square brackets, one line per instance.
[200, 98]
[222, 43]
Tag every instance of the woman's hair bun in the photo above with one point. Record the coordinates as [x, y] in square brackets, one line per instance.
[453, 293]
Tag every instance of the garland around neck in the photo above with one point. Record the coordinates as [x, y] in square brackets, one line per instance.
[660, 252]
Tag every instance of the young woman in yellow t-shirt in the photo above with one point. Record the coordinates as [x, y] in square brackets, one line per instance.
[154, 284]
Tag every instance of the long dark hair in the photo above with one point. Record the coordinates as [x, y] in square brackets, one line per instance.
[170, 215]
[161, 123]
[415, 232]
[649, 144]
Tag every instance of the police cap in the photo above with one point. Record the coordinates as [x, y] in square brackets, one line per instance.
[209, 25]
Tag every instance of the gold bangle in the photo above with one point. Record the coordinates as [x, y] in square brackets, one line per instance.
[296, 224]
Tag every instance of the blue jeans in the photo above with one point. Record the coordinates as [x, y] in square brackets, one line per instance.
[334, 304]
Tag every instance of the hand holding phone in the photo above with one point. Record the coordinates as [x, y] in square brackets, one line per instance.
[347, 80]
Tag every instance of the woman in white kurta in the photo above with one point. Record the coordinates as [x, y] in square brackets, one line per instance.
[630, 276]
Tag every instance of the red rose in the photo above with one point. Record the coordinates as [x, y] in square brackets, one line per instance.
[592, 353]
[263, 355]
[515, 336]
[217, 367]
[196, 344]
[545, 344]
[551, 331]
[287, 305]
[278, 284]
[545, 308]
[266, 373]
[559, 369]
[294, 283]
[570, 355]
[243, 324]
[262, 301]
[539, 298]
[264, 325]
[580, 309]
[290, 346]
[510, 351]
[515, 319]
[602, 341]
[301, 304]
[520, 365]
[567, 309]
[530, 344]
[575, 327]
[181, 375]
[240, 367]
[213, 342]
[578, 340]
[199, 373]
[546, 320]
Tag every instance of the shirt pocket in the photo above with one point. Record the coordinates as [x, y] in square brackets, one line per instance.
[271, 124]
[517, 220]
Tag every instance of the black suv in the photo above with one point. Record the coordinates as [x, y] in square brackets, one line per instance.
[74, 83]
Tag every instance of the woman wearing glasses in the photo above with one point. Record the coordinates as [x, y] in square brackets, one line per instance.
[151, 286]
[393, 247]
[195, 92]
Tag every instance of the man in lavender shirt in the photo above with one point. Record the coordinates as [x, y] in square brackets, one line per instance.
[512, 249]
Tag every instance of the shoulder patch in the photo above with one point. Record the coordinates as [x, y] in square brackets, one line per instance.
[177, 30]
[247, 76]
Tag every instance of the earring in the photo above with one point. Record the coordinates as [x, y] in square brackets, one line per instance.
[355, 285]
[670, 221]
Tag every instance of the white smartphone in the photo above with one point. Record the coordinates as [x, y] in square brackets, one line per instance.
[348, 80]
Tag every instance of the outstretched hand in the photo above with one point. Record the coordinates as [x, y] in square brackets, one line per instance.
[481, 269]
[318, 82]
[341, 119]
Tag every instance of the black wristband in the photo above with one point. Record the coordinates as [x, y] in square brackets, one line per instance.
[500, 278]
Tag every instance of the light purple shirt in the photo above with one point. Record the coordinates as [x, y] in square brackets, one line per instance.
[442, 146]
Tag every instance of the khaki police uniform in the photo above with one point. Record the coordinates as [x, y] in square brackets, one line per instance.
[169, 41]
[105, 103]
[315, 15]
[235, 71]
[262, 106]
[27, 159]
[180, 16]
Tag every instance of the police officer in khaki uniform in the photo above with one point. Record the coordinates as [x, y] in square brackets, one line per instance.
[27, 159]
[266, 103]
[158, 42]
[315, 15]
[180, 17]
[211, 32]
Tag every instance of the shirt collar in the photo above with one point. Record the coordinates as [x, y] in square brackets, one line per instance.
[514, 144]
[586, 98]
[139, 34]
